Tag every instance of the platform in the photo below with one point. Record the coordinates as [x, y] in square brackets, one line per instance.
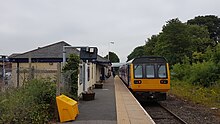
[129, 111]
[113, 104]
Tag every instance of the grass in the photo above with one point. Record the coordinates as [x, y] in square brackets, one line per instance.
[197, 94]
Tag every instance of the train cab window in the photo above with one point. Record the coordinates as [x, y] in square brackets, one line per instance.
[138, 71]
[150, 73]
[162, 71]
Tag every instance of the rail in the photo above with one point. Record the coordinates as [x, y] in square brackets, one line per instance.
[161, 114]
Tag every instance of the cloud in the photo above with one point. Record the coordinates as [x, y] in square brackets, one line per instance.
[96, 23]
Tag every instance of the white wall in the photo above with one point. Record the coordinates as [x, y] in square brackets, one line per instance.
[92, 77]
[80, 83]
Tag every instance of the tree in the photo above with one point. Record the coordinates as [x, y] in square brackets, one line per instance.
[199, 36]
[173, 42]
[137, 52]
[145, 50]
[211, 22]
[178, 40]
[150, 45]
[71, 71]
[112, 57]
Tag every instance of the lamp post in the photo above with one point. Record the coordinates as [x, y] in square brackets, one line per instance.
[111, 42]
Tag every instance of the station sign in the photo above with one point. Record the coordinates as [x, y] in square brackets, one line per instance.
[88, 53]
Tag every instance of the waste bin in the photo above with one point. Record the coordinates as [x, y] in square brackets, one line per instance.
[67, 108]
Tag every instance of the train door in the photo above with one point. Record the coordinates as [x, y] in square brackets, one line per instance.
[128, 75]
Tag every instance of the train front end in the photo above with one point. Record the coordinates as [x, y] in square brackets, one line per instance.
[150, 78]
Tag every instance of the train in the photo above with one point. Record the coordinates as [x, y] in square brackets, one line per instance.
[148, 78]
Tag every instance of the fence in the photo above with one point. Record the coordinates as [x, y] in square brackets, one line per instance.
[5, 77]
[18, 77]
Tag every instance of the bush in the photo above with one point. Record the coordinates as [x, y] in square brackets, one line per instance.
[205, 73]
[180, 71]
[33, 103]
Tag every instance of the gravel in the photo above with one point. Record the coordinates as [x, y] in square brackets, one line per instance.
[192, 113]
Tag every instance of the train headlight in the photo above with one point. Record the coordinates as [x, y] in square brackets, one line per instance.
[163, 81]
[137, 81]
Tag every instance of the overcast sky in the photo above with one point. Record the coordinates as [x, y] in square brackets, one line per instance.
[28, 24]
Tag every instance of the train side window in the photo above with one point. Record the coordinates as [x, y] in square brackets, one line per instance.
[138, 71]
[162, 71]
[150, 73]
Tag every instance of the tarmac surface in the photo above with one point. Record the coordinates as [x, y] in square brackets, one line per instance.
[112, 104]
[102, 110]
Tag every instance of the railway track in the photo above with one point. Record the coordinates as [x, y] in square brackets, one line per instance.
[161, 115]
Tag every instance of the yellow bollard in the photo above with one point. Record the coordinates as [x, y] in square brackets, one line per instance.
[67, 108]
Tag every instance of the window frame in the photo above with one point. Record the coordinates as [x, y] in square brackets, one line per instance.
[165, 71]
[156, 71]
[145, 70]
[142, 71]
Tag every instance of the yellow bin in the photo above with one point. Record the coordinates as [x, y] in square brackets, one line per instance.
[67, 108]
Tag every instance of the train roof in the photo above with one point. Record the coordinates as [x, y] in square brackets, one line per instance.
[149, 59]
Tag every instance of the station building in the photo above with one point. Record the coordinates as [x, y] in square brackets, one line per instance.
[45, 62]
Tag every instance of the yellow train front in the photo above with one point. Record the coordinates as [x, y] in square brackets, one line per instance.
[147, 77]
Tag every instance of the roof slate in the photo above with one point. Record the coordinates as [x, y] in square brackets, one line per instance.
[53, 51]
[50, 51]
